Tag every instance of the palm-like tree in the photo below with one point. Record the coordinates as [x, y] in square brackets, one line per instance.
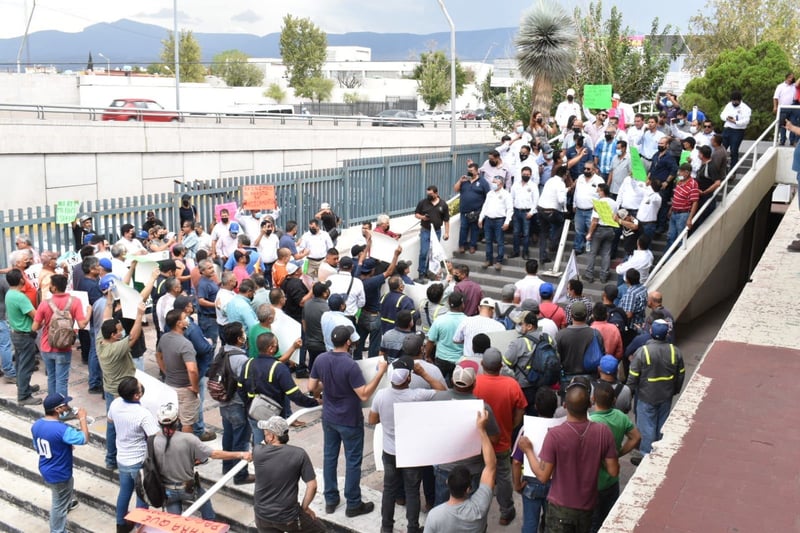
[545, 51]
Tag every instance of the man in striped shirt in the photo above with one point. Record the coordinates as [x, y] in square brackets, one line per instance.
[684, 203]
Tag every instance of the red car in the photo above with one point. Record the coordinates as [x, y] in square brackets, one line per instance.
[127, 109]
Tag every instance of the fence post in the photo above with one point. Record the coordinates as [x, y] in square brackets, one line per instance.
[346, 186]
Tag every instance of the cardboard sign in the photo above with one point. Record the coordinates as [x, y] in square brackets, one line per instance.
[145, 264]
[448, 428]
[383, 247]
[156, 393]
[67, 211]
[83, 297]
[230, 206]
[605, 213]
[535, 429]
[259, 197]
[155, 520]
[129, 299]
[287, 330]
[638, 172]
[597, 96]
[369, 369]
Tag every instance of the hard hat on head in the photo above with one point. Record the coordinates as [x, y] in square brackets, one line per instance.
[167, 414]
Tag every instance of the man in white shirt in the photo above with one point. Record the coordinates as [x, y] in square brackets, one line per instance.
[601, 235]
[620, 168]
[132, 245]
[267, 243]
[222, 231]
[483, 322]
[784, 95]
[528, 287]
[585, 193]
[317, 242]
[636, 130]
[495, 167]
[703, 137]
[224, 296]
[648, 143]
[330, 266]
[736, 118]
[524, 197]
[641, 260]
[566, 109]
[495, 217]
[647, 214]
[345, 283]
[551, 208]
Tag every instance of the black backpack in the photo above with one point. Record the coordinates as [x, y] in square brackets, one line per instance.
[222, 382]
[543, 367]
[149, 485]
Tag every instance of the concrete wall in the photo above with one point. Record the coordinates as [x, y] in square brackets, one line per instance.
[46, 161]
[51, 89]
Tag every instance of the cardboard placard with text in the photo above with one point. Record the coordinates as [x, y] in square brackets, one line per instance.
[257, 197]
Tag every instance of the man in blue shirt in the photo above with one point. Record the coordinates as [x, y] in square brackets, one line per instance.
[369, 322]
[239, 310]
[288, 241]
[664, 169]
[473, 192]
[53, 441]
[207, 290]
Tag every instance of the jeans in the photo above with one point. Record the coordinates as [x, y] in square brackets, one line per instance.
[503, 490]
[334, 435]
[602, 241]
[648, 228]
[534, 504]
[424, 248]
[522, 229]
[60, 497]
[369, 325]
[411, 479]
[783, 115]
[550, 222]
[138, 362]
[442, 490]
[650, 419]
[493, 231]
[111, 436]
[236, 435]
[676, 224]
[255, 431]
[95, 372]
[468, 233]
[666, 202]
[732, 139]
[127, 479]
[176, 497]
[303, 524]
[57, 366]
[606, 499]
[209, 327]
[583, 218]
[6, 350]
[199, 427]
[25, 348]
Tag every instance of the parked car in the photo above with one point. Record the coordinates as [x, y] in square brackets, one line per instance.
[467, 114]
[481, 114]
[396, 117]
[142, 109]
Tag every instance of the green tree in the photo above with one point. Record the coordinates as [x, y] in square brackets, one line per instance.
[606, 55]
[729, 24]
[275, 92]
[192, 69]
[303, 49]
[506, 108]
[232, 66]
[755, 71]
[320, 88]
[351, 98]
[545, 51]
[90, 63]
[433, 78]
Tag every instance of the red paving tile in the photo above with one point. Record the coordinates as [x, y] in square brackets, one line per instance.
[736, 470]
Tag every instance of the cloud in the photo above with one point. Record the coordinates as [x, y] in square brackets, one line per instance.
[167, 14]
[247, 17]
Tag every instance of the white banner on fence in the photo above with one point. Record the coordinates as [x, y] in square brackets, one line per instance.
[535, 429]
[448, 430]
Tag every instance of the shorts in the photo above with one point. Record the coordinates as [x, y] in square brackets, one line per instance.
[188, 406]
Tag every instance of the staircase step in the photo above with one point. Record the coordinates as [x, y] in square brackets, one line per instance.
[17, 520]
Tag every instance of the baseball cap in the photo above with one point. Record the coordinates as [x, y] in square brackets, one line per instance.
[234, 227]
[412, 344]
[55, 400]
[185, 197]
[508, 291]
[401, 369]
[487, 302]
[570, 92]
[320, 287]
[88, 238]
[622, 213]
[84, 218]
[546, 290]
[275, 425]
[106, 264]
[341, 334]
[492, 359]
[368, 265]
[291, 267]
[529, 304]
[519, 318]
[107, 281]
[346, 262]
[578, 311]
[463, 376]
[142, 234]
[659, 329]
[608, 365]
[181, 302]
[167, 414]
[336, 301]
[615, 96]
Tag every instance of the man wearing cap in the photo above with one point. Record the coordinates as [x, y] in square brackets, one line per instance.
[519, 353]
[573, 341]
[343, 418]
[57, 360]
[483, 322]
[508, 403]
[317, 242]
[548, 308]
[336, 317]
[545, 324]
[382, 411]
[369, 322]
[569, 107]
[433, 213]
[656, 375]
[473, 293]
[443, 330]
[279, 466]
[53, 440]
[297, 294]
[413, 347]
[528, 287]
[186, 211]
[572, 455]
[81, 227]
[608, 374]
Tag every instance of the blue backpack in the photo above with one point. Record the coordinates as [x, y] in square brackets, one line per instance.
[594, 352]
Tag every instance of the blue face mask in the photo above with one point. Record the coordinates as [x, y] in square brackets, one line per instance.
[619, 153]
[520, 129]
[494, 186]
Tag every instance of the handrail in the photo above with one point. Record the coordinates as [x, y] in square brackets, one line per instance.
[237, 467]
[683, 236]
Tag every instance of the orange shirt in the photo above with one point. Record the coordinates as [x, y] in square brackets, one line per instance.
[504, 394]
[279, 274]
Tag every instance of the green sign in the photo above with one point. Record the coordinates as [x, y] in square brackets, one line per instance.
[67, 211]
[684, 157]
[605, 213]
[638, 171]
[597, 96]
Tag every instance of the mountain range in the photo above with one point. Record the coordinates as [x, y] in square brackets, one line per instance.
[127, 42]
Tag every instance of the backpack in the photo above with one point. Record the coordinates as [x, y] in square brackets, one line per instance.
[60, 333]
[222, 382]
[504, 318]
[543, 367]
[594, 352]
[149, 485]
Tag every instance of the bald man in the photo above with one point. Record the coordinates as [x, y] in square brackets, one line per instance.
[655, 303]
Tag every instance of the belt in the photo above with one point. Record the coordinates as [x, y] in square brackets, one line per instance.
[22, 332]
[646, 158]
[679, 212]
[179, 486]
[544, 210]
[495, 218]
[316, 258]
[583, 208]
[364, 311]
[526, 209]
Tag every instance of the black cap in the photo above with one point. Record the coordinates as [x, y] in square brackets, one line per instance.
[341, 334]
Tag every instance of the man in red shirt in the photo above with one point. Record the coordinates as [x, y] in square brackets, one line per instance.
[508, 403]
[684, 203]
[548, 308]
[612, 338]
[473, 293]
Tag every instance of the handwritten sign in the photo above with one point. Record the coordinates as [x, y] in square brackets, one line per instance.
[448, 429]
[145, 264]
[605, 213]
[638, 171]
[67, 211]
[685, 154]
[230, 206]
[259, 197]
[535, 429]
[154, 520]
[597, 96]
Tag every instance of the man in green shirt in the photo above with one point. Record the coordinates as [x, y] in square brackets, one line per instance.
[441, 335]
[20, 313]
[622, 428]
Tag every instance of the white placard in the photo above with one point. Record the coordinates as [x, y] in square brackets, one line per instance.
[129, 299]
[83, 296]
[416, 291]
[535, 429]
[383, 247]
[501, 339]
[156, 393]
[377, 446]
[448, 430]
[145, 264]
[369, 369]
[287, 330]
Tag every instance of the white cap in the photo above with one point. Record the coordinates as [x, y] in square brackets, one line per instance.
[615, 96]
[570, 92]
[325, 205]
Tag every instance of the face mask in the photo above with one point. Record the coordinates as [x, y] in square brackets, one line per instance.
[268, 232]
[520, 129]
[431, 197]
[570, 98]
[735, 104]
[609, 136]
[587, 172]
[525, 178]
[681, 122]
[494, 186]
[313, 231]
[186, 204]
[493, 163]
[619, 153]
[456, 278]
[692, 129]
[662, 148]
[576, 130]
[224, 220]
[519, 329]
[669, 103]
[539, 120]
[471, 174]
[523, 157]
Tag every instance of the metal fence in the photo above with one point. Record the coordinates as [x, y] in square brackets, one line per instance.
[358, 191]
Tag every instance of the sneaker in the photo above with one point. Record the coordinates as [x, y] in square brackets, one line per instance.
[505, 520]
[111, 466]
[73, 504]
[498, 267]
[251, 478]
[301, 374]
[588, 278]
[30, 400]
[486, 264]
[364, 508]
[472, 250]
[207, 436]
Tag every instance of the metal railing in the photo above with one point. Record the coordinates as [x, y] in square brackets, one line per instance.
[683, 237]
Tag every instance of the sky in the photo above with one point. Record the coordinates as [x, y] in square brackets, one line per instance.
[261, 17]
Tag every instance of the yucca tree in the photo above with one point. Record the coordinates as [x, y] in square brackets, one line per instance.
[545, 51]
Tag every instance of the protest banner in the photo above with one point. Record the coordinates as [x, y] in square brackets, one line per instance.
[383, 247]
[287, 330]
[369, 369]
[83, 296]
[156, 393]
[257, 197]
[638, 172]
[605, 213]
[129, 299]
[145, 264]
[448, 430]
[230, 206]
[597, 96]
[67, 211]
[535, 429]
[153, 520]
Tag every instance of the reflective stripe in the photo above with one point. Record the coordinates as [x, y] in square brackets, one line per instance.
[396, 306]
[647, 358]
[670, 378]
[646, 355]
[672, 352]
[632, 373]
[293, 389]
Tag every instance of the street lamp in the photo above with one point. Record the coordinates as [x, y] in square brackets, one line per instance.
[108, 63]
[177, 45]
[452, 74]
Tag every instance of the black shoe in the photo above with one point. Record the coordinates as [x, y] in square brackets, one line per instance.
[96, 390]
[35, 388]
[525, 257]
[301, 374]
[30, 400]
[330, 508]
[421, 280]
[513, 256]
[636, 459]
[246, 480]
[111, 466]
[364, 508]
[73, 504]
